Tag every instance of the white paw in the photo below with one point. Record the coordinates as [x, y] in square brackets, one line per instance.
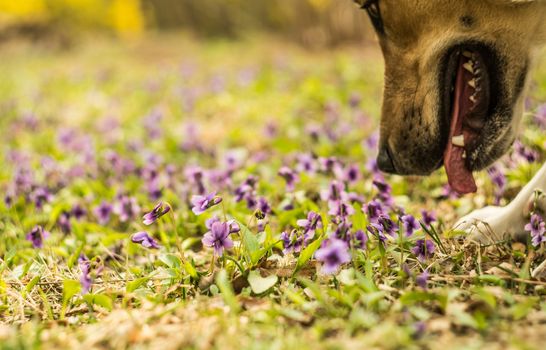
[490, 224]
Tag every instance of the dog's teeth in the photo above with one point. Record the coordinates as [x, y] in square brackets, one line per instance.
[464, 154]
[468, 66]
[467, 54]
[472, 83]
[458, 140]
[473, 99]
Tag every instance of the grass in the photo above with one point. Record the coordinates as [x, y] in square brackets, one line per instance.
[107, 119]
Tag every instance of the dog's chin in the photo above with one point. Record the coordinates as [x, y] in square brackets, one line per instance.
[484, 154]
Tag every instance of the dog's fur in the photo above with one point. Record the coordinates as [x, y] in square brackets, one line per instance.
[415, 37]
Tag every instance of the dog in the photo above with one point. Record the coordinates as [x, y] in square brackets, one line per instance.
[456, 74]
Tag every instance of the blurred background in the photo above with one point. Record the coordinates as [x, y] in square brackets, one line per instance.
[311, 23]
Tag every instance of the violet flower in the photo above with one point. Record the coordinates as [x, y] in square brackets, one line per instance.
[373, 210]
[424, 249]
[145, 240]
[40, 196]
[263, 206]
[233, 225]
[103, 212]
[428, 218]
[340, 209]
[36, 236]
[376, 229]
[159, 210]
[536, 227]
[410, 224]
[311, 224]
[389, 226]
[289, 176]
[333, 253]
[64, 222]
[422, 279]
[85, 278]
[126, 208]
[359, 240]
[218, 237]
[293, 242]
[78, 212]
[202, 203]
[540, 116]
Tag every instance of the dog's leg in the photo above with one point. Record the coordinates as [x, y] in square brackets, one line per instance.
[492, 224]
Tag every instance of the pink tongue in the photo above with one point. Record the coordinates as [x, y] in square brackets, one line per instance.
[459, 176]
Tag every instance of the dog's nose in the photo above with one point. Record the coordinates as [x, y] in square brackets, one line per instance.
[384, 160]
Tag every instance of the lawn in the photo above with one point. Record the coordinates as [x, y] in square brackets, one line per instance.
[170, 193]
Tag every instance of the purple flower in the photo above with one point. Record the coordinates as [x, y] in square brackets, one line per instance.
[410, 224]
[359, 240]
[306, 163]
[263, 206]
[340, 209]
[422, 279]
[37, 236]
[540, 116]
[85, 278]
[333, 253]
[389, 226]
[159, 210]
[335, 191]
[448, 193]
[78, 212]
[351, 173]
[424, 249]
[536, 229]
[194, 174]
[293, 242]
[40, 196]
[384, 190]
[145, 240]
[202, 203]
[328, 165]
[218, 237]
[233, 225]
[289, 176]
[126, 208]
[64, 222]
[499, 180]
[428, 217]
[524, 152]
[103, 212]
[373, 210]
[377, 230]
[311, 224]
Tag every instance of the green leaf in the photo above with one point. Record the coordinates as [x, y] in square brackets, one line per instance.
[70, 288]
[134, 285]
[492, 279]
[249, 239]
[104, 301]
[100, 300]
[190, 269]
[307, 253]
[260, 284]
[74, 257]
[170, 260]
[226, 289]
[33, 282]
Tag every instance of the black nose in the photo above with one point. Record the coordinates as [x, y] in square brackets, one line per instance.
[384, 160]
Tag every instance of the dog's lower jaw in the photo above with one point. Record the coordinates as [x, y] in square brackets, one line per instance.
[492, 224]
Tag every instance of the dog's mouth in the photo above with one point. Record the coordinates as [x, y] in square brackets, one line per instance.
[469, 99]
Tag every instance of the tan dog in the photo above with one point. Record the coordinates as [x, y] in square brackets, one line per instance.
[455, 79]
